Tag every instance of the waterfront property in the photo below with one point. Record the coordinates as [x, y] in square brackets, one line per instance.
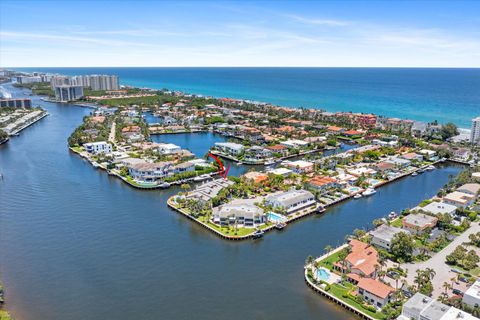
[291, 201]
[243, 214]
[375, 292]
[98, 147]
[382, 236]
[418, 223]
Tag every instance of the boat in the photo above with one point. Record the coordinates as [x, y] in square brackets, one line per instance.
[95, 164]
[357, 196]
[414, 174]
[201, 177]
[280, 225]
[320, 209]
[164, 185]
[392, 215]
[369, 192]
[422, 170]
[258, 234]
[239, 163]
[431, 167]
[269, 162]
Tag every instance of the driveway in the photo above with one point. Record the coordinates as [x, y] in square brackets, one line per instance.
[437, 262]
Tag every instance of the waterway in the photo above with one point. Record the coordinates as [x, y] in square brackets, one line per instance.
[78, 244]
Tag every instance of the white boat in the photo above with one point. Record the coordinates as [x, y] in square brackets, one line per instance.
[431, 167]
[414, 174]
[201, 177]
[239, 163]
[357, 196]
[164, 185]
[369, 192]
[392, 215]
[269, 162]
[95, 164]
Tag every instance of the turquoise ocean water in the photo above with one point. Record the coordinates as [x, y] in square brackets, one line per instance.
[419, 94]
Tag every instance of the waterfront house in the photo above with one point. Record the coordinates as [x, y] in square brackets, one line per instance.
[436, 208]
[361, 171]
[301, 166]
[256, 177]
[98, 147]
[421, 307]
[418, 223]
[257, 153]
[183, 167]
[384, 166]
[470, 188]
[241, 214]
[168, 148]
[335, 129]
[459, 199]
[412, 156]
[362, 261]
[291, 201]
[382, 236]
[230, 148]
[322, 184]
[149, 172]
[374, 292]
[280, 149]
[280, 171]
[209, 190]
[429, 155]
[352, 133]
[384, 143]
[294, 143]
[399, 162]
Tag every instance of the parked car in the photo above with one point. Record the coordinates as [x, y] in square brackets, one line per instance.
[457, 292]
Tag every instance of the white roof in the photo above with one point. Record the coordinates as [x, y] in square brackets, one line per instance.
[300, 164]
[280, 171]
[439, 207]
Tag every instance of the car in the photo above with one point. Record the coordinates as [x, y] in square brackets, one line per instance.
[457, 292]
[463, 279]
[392, 274]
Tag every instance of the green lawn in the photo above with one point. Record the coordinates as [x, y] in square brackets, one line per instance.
[330, 260]
[396, 223]
[338, 291]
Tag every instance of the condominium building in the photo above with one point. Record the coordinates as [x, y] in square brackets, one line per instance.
[16, 103]
[68, 92]
[475, 132]
[95, 82]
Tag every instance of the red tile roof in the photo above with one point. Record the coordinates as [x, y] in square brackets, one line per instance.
[375, 287]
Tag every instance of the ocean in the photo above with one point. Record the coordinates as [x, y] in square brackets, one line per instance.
[423, 94]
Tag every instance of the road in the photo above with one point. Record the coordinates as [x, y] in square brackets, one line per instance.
[437, 262]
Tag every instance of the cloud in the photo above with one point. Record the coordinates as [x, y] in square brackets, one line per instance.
[318, 21]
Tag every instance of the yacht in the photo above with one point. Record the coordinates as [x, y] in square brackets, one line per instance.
[95, 164]
[269, 162]
[357, 196]
[369, 192]
[414, 174]
[164, 185]
[431, 167]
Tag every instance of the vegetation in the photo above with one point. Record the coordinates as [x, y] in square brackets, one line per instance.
[402, 247]
[463, 258]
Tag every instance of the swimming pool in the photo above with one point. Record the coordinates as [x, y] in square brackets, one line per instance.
[373, 182]
[275, 217]
[323, 274]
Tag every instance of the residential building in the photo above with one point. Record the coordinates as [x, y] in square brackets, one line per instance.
[418, 223]
[301, 166]
[148, 172]
[16, 103]
[242, 214]
[470, 188]
[472, 295]
[278, 148]
[256, 177]
[323, 183]
[292, 200]
[429, 154]
[230, 148]
[421, 307]
[280, 171]
[294, 143]
[29, 79]
[168, 148]
[412, 156]
[361, 262]
[436, 208]
[375, 292]
[68, 93]
[382, 236]
[98, 147]
[459, 199]
[475, 131]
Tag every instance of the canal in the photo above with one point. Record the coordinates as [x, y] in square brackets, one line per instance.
[78, 244]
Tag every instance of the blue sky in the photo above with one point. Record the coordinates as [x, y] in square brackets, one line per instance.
[234, 33]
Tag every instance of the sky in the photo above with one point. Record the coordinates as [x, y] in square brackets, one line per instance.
[239, 33]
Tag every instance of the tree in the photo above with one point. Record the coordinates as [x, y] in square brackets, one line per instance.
[448, 130]
[309, 260]
[3, 135]
[446, 286]
[185, 187]
[328, 249]
[402, 246]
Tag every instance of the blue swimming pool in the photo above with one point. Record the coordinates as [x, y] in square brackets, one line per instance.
[323, 274]
[275, 217]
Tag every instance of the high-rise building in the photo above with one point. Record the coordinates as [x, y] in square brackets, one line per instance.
[68, 92]
[26, 79]
[95, 82]
[16, 103]
[475, 133]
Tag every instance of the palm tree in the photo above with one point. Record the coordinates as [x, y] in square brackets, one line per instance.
[309, 261]
[447, 286]
[430, 273]
[328, 248]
